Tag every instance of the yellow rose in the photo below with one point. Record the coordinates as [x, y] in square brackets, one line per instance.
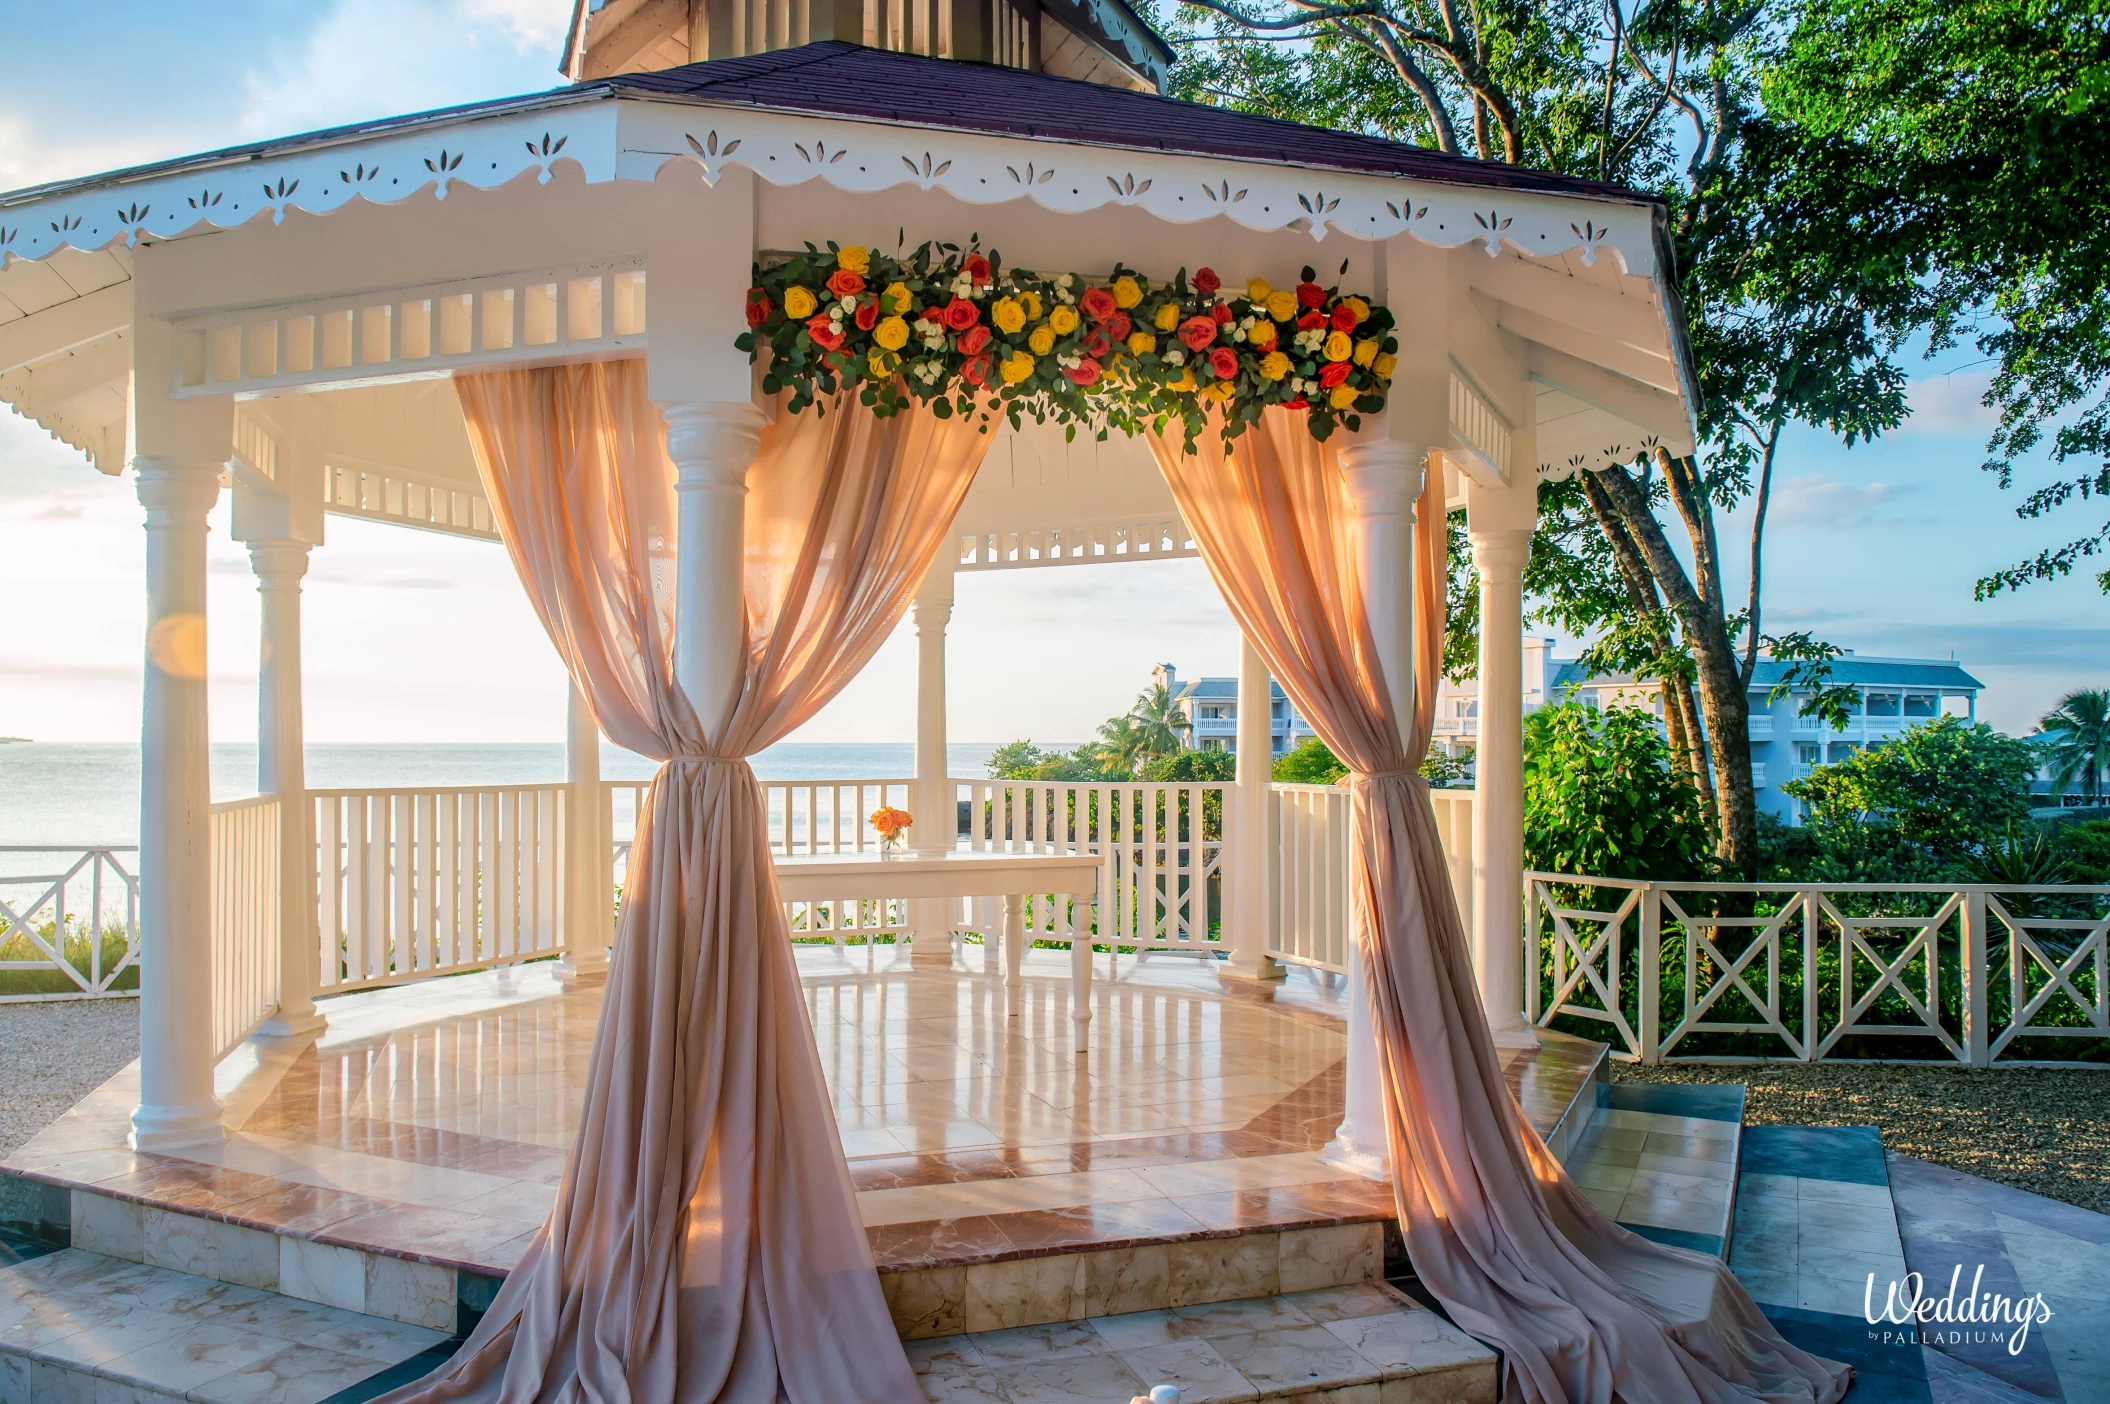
[896, 298]
[855, 257]
[1219, 392]
[1009, 314]
[1360, 308]
[1282, 305]
[1042, 341]
[891, 333]
[1339, 347]
[1185, 382]
[1383, 366]
[1141, 342]
[882, 363]
[1366, 350]
[799, 303]
[1258, 290]
[1168, 318]
[1343, 396]
[1274, 365]
[1262, 334]
[1032, 301]
[1016, 367]
[1063, 320]
[1127, 292]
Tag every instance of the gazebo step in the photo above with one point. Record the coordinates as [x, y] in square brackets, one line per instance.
[1367, 1344]
[83, 1328]
[1662, 1160]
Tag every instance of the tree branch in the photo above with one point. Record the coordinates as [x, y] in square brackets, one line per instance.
[1314, 14]
[1386, 44]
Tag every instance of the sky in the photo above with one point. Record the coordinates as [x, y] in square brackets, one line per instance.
[412, 636]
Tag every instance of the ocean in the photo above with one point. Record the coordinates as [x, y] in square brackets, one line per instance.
[87, 795]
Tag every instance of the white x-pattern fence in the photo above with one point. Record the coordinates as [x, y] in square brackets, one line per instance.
[1806, 972]
[69, 922]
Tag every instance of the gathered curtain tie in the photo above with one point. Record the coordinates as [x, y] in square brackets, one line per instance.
[1364, 777]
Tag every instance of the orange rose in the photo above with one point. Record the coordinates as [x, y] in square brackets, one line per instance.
[1198, 332]
[845, 284]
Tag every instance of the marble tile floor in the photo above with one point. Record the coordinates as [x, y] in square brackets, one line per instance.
[1365, 1344]
[81, 1328]
[430, 1120]
[1662, 1161]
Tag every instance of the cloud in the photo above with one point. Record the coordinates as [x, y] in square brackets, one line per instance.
[62, 512]
[2017, 643]
[1818, 500]
[532, 24]
[1950, 404]
[31, 154]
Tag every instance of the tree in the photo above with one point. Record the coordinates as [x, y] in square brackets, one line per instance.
[1160, 726]
[1602, 797]
[1795, 302]
[2078, 752]
[1989, 119]
[1309, 762]
[1943, 787]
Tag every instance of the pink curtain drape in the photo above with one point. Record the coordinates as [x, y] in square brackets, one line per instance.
[705, 1244]
[1584, 1311]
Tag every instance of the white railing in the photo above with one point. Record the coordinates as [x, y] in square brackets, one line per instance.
[423, 882]
[245, 918]
[1806, 972]
[805, 816]
[69, 923]
[1308, 839]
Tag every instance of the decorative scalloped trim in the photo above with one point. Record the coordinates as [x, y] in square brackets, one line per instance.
[633, 139]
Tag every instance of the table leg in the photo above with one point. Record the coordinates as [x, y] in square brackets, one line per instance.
[1014, 950]
[1081, 966]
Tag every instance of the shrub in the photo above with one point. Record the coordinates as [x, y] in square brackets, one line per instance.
[1601, 797]
[1944, 788]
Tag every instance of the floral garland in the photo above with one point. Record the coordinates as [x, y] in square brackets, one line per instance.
[952, 328]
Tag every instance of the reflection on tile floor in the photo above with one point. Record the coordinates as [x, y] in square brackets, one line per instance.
[432, 1119]
[1662, 1161]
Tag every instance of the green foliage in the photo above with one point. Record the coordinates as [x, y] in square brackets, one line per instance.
[1190, 768]
[2085, 847]
[1022, 760]
[1157, 726]
[1944, 788]
[1448, 772]
[2079, 755]
[74, 948]
[1601, 797]
[1309, 762]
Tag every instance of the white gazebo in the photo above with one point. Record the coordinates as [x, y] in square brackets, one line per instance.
[280, 320]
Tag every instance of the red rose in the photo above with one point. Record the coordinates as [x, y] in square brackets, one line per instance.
[823, 332]
[1206, 281]
[1198, 332]
[1334, 373]
[1311, 321]
[1299, 403]
[977, 269]
[1086, 372]
[1222, 313]
[1118, 326]
[868, 314]
[1224, 362]
[976, 371]
[973, 339]
[960, 314]
[758, 307]
[1343, 317]
[1095, 342]
[1097, 304]
[843, 283]
[1310, 294]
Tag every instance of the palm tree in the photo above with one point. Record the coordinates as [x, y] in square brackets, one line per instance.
[1159, 724]
[2078, 749]
[1121, 741]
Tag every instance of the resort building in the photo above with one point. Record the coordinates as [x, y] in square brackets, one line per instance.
[1211, 708]
[1891, 694]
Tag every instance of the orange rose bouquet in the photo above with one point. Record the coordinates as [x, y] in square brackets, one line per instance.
[890, 824]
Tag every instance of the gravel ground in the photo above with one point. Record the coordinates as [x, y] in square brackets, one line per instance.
[2044, 1130]
[54, 1054]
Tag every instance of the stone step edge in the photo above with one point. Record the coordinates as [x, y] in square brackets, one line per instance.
[34, 1373]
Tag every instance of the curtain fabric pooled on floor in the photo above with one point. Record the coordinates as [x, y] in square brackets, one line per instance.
[705, 1244]
[1584, 1311]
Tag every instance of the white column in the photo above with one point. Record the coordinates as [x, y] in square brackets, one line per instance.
[177, 1106]
[1252, 853]
[712, 443]
[1383, 480]
[281, 769]
[936, 829]
[1498, 785]
[589, 898]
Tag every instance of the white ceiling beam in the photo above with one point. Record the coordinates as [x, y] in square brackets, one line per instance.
[1477, 350]
[62, 327]
[1650, 409]
[1590, 308]
[79, 371]
[1583, 345]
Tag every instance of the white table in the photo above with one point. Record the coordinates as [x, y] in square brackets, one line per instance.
[825, 877]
